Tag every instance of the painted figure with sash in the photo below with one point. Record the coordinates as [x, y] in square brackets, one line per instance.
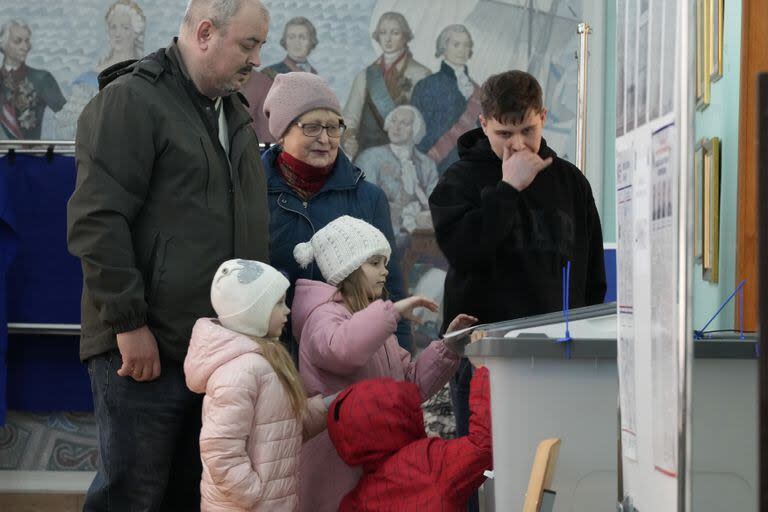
[382, 86]
[25, 92]
[449, 100]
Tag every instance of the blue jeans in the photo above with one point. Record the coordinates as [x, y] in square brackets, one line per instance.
[459, 384]
[148, 440]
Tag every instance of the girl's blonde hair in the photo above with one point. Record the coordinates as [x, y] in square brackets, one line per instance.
[280, 360]
[356, 292]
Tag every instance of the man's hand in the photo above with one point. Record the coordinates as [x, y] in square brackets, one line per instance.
[520, 168]
[141, 359]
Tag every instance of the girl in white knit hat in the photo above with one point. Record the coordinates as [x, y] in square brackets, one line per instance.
[346, 332]
[255, 411]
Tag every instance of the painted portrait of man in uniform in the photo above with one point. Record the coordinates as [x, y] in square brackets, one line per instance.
[25, 92]
[383, 85]
[449, 100]
[299, 39]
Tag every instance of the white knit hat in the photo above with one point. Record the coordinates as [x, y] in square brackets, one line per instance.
[341, 247]
[244, 293]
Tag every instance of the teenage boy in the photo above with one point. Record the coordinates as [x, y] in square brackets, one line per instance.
[509, 215]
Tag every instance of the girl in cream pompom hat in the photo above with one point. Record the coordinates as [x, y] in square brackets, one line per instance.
[346, 332]
[255, 410]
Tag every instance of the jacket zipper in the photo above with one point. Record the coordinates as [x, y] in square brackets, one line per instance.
[281, 202]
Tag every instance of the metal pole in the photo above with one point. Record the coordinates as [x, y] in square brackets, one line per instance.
[583, 29]
[38, 147]
[685, 100]
[42, 147]
[49, 329]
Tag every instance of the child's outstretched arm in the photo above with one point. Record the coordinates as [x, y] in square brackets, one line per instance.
[463, 460]
[227, 423]
[436, 364]
[314, 420]
[342, 345]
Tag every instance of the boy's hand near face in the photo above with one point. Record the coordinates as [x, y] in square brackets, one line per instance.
[520, 168]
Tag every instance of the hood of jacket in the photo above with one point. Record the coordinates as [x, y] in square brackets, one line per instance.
[211, 346]
[373, 419]
[115, 71]
[474, 146]
[308, 296]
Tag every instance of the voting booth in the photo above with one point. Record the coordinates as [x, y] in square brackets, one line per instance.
[544, 387]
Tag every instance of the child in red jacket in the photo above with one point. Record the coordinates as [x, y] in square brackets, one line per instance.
[378, 425]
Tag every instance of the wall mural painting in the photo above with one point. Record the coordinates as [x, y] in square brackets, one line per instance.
[406, 71]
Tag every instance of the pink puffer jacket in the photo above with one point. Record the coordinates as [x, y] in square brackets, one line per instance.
[337, 349]
[251, 438]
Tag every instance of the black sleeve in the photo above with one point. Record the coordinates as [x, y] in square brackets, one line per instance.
[469, 230]
[114, 155]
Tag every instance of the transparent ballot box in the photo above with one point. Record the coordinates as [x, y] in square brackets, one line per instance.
[542, 388]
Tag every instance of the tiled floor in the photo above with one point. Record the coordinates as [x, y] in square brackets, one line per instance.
[41, 502]
[60, 441]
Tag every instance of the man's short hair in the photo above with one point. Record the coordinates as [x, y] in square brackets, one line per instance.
[508, 97]
[5, 30]
[445, 35]
[220, 12]
[301, 21]
[397, 18]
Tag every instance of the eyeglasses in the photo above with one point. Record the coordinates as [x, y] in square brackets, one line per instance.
[315, 129]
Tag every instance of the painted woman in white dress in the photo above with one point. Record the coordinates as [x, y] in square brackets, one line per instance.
[125, 27]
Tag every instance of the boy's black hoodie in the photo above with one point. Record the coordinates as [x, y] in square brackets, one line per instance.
[507, 249]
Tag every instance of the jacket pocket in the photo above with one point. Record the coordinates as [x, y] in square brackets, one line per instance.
[159, 251]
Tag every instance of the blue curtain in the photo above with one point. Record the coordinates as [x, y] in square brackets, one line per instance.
[8, 243]
[41, 283]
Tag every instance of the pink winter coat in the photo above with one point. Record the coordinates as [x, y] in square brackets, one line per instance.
[337, 349]
[251, 439]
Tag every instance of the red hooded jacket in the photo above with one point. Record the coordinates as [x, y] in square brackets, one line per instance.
[378, 425]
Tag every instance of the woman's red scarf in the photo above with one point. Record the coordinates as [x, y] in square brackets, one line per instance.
[306, 180]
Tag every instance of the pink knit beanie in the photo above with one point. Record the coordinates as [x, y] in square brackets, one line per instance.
[294, 94]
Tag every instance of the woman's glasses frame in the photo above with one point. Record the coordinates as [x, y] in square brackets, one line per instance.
[315, 129]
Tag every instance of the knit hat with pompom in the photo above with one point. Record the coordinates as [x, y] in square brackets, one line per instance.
[341, 247]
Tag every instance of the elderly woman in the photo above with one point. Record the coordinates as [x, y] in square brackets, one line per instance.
[310, 182]
[406, 175]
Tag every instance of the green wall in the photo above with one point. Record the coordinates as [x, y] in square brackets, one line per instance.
[719, 119]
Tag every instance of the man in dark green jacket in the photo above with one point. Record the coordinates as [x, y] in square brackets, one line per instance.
[169, 185]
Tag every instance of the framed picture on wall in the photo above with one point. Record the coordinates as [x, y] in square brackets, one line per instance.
[711, 210]
[703, 59]
[716, 39]
[698, 175]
